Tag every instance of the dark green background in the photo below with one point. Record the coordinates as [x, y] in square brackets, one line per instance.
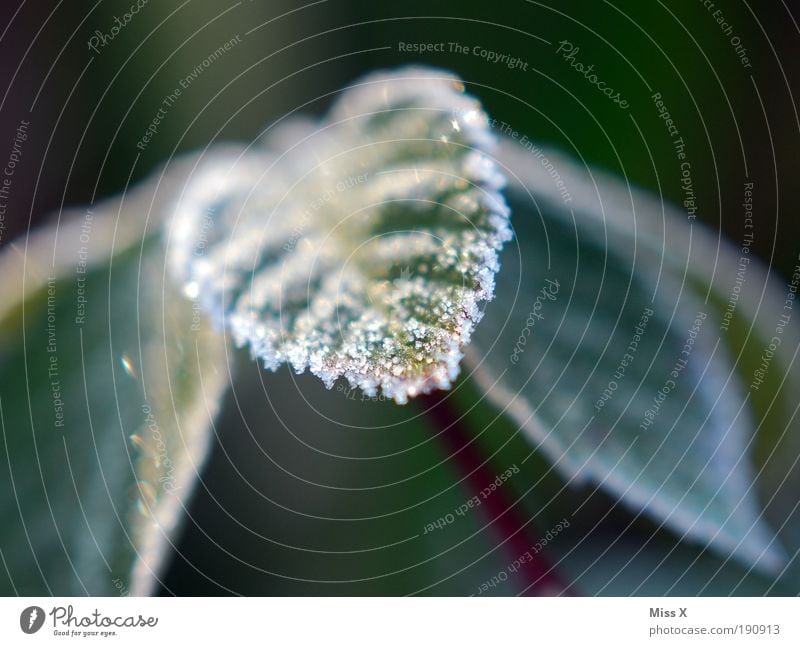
[89, 127]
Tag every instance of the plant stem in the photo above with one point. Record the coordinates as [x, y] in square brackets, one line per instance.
[536, 577]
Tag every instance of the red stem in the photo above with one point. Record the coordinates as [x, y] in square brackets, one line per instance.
[536, 577]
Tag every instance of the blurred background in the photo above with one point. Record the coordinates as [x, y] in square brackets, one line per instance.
[306, 493]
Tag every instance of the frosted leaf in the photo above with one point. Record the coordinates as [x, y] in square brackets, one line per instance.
[361, 246]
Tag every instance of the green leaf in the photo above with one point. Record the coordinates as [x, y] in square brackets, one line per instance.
[603, 348]
[360, 247]
[109, 383]
[620, 565]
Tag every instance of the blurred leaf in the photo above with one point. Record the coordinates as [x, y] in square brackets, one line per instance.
[360, 247]
[109, 382]
[603, 348]
[620, 565]
[764, 320]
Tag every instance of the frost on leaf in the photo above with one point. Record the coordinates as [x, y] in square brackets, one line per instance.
[361, 246]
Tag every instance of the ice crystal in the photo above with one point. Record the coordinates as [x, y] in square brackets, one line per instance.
[361, 246]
